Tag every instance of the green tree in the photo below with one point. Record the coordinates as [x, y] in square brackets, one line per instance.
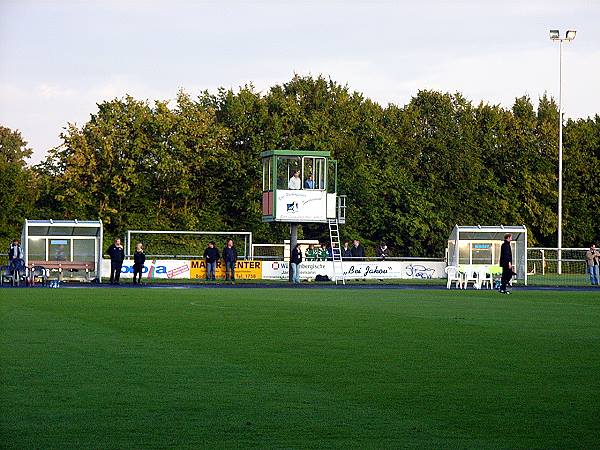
[411, 173]
[581, 194]
[18, 190]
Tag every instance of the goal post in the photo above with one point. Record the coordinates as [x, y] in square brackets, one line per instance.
[186, 244]
[268, 251]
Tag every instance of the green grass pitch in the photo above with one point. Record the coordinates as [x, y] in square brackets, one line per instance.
[306, 368]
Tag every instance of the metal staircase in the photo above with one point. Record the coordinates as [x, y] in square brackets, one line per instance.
[336, 250]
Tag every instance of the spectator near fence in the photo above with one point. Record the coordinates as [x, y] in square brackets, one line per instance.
[382, 251]
[116, 252]
[230, 256]
[358, 251]
[15, 258]
[346, 250]
[311, 253]
[295, 260]
[15, 251]
[139, 258]
[592, 259]
[211, 256]
[323, 252]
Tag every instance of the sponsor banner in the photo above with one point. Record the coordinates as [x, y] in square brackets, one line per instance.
[359, 270]
[279, 270]
[153, 269]
[424, 269]
[379, 270]
[301, 205]
[244, 270]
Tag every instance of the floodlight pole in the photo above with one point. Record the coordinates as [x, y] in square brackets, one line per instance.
[560, 157]
[555, 36]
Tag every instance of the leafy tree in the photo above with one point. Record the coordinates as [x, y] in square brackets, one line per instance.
[411, 173]
[17, 184]
[581, 182]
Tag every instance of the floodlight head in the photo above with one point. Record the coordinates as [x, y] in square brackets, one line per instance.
[571, 35]
[554, 35]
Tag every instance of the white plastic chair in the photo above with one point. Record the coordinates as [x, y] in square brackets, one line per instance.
[485, 277]
[454, 276]
[469, 275]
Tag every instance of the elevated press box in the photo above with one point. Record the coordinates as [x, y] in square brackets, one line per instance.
[300, 186]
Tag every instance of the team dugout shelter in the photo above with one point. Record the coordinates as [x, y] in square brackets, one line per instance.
[70, 248]
[480, 246]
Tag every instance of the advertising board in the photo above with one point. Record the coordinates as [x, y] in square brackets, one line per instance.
[153, 269]
[244, 270]
[301, 205]
[359, 270]
[279, 270]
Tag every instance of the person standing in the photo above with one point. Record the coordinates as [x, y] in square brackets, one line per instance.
[139, 258]
[295, 182]
[14, 251]
[309, 183]
[506, 263]
[295, 261]
[116, 254]
[311, 253]
[230, 257]
[323, 252]
[346, 250]
[592, 259]
[358, 251]
[16, 262]
[382, 251]
[211, 256]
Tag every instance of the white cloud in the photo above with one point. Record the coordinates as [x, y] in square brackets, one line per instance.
[53, 91]
[42, 111]
[388, 50]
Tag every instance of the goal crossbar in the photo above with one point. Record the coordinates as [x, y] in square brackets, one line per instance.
[247, 237]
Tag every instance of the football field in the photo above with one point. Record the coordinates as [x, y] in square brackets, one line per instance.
[298, 368]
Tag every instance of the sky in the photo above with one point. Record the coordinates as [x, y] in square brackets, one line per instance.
[59, 58]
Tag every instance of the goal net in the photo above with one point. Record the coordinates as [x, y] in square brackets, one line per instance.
[268, 252]
[186, 244]
[543, 266]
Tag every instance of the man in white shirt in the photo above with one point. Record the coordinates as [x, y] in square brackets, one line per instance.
[295, 182]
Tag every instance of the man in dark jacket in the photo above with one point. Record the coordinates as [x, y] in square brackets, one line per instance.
[139, 258]
[295, 260]
[506, 263]
[230, 257]
[117, 255]
[346, 251]
[15, 259]
[382, 251]
[15, 251]
[358, 251]
[211, 256]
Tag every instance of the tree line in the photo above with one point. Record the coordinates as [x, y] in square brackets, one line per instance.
[410, 173]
